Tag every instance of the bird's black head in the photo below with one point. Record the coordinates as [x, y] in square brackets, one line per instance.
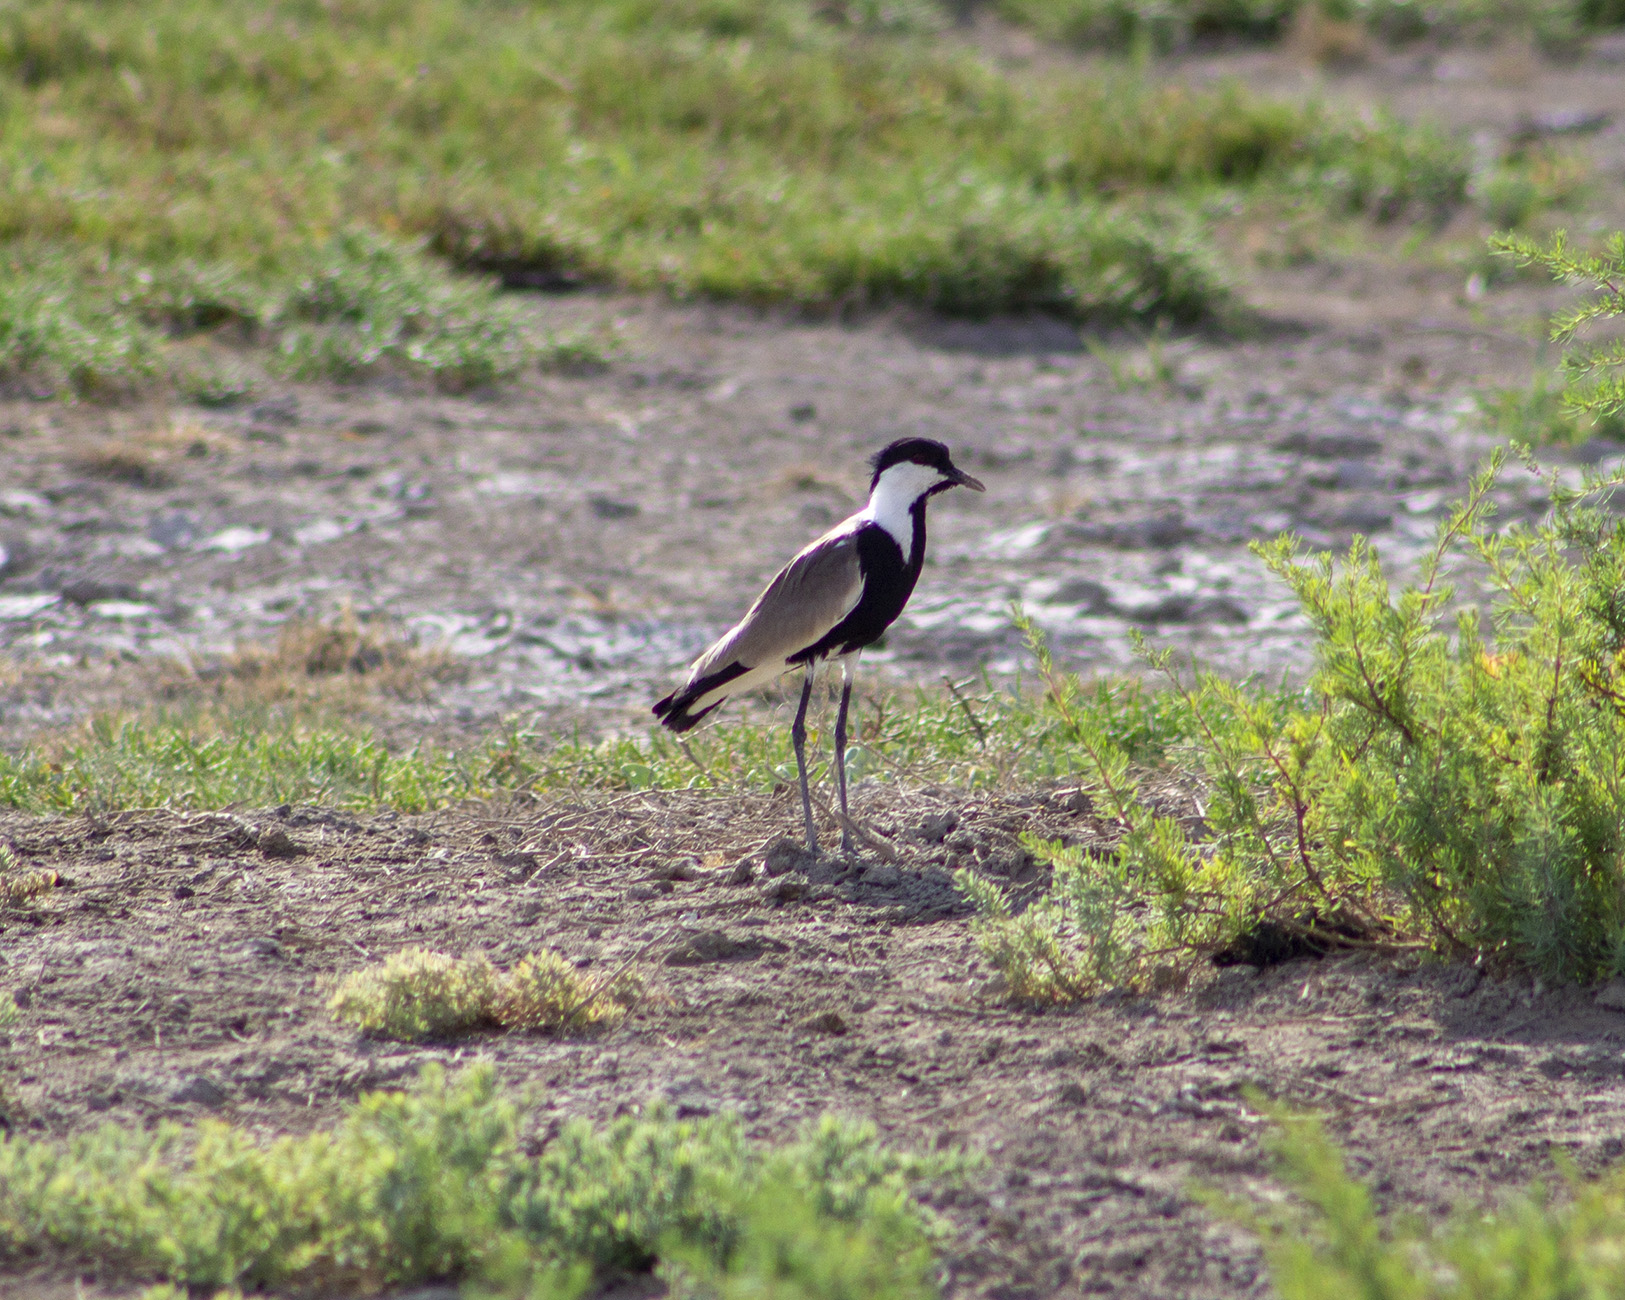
[926, 452]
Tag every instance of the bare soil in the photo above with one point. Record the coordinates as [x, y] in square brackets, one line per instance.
[180, 971]
[574, 539]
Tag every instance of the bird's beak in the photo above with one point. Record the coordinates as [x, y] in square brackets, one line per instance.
[965, 480]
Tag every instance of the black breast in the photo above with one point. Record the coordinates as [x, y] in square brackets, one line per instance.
[888, 581]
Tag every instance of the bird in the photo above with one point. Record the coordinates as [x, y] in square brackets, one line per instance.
[836, 596]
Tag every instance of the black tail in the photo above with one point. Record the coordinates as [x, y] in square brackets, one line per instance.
[673, 711]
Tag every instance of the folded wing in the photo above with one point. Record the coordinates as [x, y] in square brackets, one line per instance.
[807, 598]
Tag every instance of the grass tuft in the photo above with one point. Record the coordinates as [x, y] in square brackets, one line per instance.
[418, 994]
[20, 885]
[544, 993]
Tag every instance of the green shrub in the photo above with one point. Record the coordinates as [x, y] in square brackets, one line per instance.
[1594, 374]
[433, 1184]
[1451, 777]
[1330, 1243]
[545, 993]
[792, 1249]
[1154, 905]
[417, 994]
[1455, 780]
[1588, 401]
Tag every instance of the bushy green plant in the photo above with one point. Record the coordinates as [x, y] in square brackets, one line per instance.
[1452, 777]
[1329, 1243]
[547, 994]
[416, 993]
[1156, 903]
[433, 1183]
[1595, 384]
[791, 1249]
[1449, 778]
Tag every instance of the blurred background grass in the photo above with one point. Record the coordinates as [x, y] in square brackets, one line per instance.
[346, 186]
[1166, 24]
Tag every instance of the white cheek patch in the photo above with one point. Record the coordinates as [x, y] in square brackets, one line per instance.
[894, 496]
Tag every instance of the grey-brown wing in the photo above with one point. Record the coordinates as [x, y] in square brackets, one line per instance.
[810, 595]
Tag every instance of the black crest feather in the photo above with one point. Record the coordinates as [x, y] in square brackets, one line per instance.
[922, 451]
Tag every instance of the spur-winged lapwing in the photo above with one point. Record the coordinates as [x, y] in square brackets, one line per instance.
[833, 599]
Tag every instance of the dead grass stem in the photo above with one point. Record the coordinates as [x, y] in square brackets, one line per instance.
[340, 661]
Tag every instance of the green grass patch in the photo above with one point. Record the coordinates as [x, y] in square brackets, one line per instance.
[435, 1184]
[302, 176]
[417, 994]
[100, 324]
[1329, 1242]
[259, 756]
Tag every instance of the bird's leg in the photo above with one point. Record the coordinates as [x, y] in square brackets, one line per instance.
[847, 843]
[798, 738]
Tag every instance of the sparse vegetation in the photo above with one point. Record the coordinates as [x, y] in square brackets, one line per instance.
[433, 1183]
[208, 756]
[417, 994]
[1330, 1243]
[321, 663]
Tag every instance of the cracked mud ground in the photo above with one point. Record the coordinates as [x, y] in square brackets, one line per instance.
[574, 539]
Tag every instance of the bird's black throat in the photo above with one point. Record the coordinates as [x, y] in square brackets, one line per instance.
[888, 581]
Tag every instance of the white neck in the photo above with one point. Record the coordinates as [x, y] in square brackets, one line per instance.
[894, 496]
